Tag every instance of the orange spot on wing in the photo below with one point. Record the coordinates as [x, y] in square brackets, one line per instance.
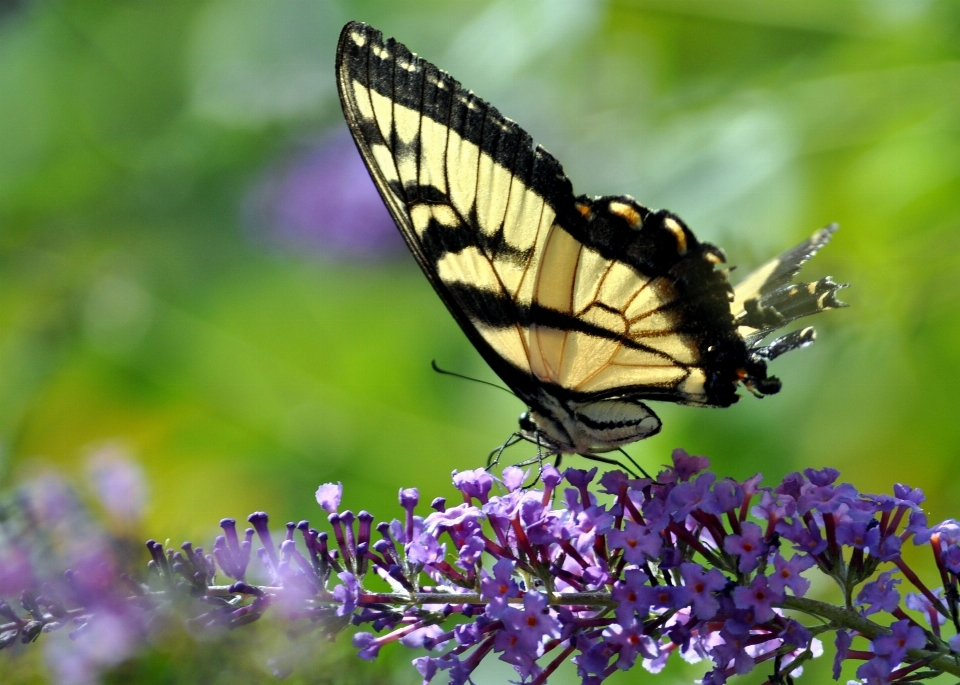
[625, 212]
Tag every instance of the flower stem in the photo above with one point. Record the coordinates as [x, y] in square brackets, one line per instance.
[847, 618]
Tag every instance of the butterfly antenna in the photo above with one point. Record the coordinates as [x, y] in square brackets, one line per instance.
[433, 363]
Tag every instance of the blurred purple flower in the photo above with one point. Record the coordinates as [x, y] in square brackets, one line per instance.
[879, 595]
[903, 636]
[920, 602]
[875, 672]
[16, 571]
[473, 484]
[787, 574]
[749, 546]
[842, 644]
[759, 597]
[702, 584]
[367, 644]
[322, 198]
[422, 637]
[513, 477]
[686, 465]
[119, 483]
[106, 642]
[637, 542]
[50, 499]
[632, 641]
[526, 629]
[631, 596]
[347, 593]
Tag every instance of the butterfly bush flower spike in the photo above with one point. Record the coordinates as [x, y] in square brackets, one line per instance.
[614, 573]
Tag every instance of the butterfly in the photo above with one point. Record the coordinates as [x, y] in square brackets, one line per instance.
[585, 307]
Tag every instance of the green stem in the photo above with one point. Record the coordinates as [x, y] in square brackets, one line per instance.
[838, 617]
[599, 599]
[846, 618]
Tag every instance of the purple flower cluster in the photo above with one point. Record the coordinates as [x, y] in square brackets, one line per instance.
[666, 565]
[610, 573]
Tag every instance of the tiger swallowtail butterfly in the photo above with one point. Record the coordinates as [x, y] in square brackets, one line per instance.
[585, 307]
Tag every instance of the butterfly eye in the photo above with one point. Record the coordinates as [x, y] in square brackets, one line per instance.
[527, 424]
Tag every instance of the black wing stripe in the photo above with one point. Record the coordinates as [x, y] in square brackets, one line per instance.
[407, 78]
[419, 152]
[381, 122]
[475, 223]
[385, 71]
[497, 310]
[514, 160]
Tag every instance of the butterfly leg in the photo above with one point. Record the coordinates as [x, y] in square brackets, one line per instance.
[494, 457]
[635, 464]
[609, 460]
[536, 478]
[528, 462]
[494, 460]
[539, 461]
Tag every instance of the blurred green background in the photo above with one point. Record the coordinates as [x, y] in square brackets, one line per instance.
[192, 266]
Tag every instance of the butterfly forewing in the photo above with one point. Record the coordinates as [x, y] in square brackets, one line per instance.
[459, 181]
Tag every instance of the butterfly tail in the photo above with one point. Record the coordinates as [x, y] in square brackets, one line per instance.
[767, 300]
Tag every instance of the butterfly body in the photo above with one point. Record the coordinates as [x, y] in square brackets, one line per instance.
[563, 427]
[585, 307]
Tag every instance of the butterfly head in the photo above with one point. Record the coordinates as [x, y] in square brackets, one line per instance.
[544, 432]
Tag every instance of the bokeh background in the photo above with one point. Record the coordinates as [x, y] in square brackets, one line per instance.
[196, 271]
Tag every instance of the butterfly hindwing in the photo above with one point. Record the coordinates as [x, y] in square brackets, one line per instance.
[767, 299]
[614, 326]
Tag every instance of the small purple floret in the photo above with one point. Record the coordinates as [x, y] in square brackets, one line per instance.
[329, 495]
